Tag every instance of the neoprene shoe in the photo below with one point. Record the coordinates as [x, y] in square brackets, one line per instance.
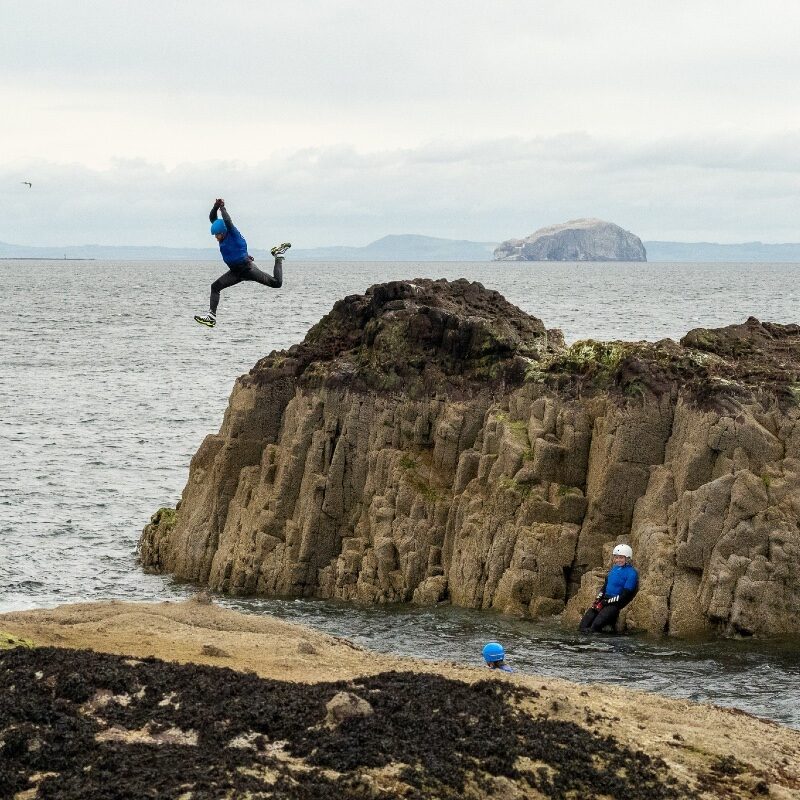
[207, 319]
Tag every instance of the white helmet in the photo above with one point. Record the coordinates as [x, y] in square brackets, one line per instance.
[622, 550]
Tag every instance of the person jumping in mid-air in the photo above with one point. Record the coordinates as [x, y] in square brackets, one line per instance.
[241, 265]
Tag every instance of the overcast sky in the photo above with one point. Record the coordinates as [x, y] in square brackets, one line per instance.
[335, 122]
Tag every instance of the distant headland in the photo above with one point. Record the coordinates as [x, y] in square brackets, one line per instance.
[404, 247]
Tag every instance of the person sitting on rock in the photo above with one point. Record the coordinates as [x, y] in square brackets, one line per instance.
[620, 587]
[495, 657]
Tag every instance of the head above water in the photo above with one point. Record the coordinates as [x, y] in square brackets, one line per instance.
[493, 652]
[622, 554]
[218, 229]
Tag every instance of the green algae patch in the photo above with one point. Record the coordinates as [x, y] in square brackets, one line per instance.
[407, 462]
[511, 485]
[8, 641]
[519, 428]
[425, 488]
[713, 368]
[596, 363]
[166, 518]
[592, 356]
[155, 537]
[417, 474]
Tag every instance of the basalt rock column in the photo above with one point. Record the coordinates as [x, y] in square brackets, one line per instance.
[430, 442]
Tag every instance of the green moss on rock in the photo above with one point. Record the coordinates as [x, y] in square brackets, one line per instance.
[166, 518]
[8, 641]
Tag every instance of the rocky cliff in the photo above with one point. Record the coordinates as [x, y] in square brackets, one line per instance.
[578, 240]
[430, 442]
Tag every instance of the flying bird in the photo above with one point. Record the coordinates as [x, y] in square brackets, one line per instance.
[28, 184]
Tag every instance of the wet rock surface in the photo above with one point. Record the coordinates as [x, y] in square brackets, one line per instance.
[429, 442]
[78, 724]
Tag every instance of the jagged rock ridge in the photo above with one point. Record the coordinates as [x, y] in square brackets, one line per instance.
[417, 337]
[577, 240]
[428, 441]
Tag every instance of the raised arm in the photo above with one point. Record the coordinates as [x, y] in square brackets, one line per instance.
[213, 215]
[219, 206]
[226, 217]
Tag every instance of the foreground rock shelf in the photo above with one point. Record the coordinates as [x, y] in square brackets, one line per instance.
[189, 700]
[430, 442]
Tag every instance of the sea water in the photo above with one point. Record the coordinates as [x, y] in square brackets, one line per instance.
[108, 387]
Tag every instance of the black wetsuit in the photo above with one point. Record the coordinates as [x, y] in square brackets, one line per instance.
[245, 270]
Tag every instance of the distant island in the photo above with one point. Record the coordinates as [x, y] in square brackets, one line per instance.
[407, 247]
[577, 240]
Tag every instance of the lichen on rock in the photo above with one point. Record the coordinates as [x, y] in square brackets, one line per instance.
[9, 641]
[430, 442]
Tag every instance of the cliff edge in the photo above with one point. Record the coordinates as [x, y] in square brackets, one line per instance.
[430, 442]
[577, 240]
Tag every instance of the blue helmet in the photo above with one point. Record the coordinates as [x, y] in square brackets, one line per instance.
[218, 226]
[493, 652]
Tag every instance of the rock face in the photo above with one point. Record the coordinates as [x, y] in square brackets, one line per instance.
[430, 442]
[578, 240]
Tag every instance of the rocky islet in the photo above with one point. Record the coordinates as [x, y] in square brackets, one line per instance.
[577, 240]
[430, 442]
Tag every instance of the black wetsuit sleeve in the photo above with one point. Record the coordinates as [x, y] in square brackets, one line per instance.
[625, 596]
[213, 215]
[226, 217]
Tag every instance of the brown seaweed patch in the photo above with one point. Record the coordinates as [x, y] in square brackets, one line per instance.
[226, 733]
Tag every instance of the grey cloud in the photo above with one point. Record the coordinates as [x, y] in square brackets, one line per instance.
[733, 189]
[516, 60]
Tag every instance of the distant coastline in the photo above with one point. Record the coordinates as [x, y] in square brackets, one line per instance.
[406, 247]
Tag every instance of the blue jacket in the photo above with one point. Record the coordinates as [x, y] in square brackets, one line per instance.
[621, 580]
[233, 248]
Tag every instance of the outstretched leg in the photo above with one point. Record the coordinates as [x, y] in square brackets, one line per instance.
[274, 281]
[230, 278]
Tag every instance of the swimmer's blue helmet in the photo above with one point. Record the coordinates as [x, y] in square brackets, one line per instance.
[218, 226]
[493, 652]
